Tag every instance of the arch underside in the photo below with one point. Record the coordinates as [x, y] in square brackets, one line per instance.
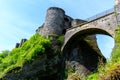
[83, 32]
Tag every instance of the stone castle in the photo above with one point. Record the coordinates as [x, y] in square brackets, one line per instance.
[79, 51]
[57, 23]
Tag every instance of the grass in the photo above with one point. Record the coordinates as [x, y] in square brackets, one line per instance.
[25, 54]
[61, 39]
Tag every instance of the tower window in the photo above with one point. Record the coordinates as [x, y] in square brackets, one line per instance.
[66, 19]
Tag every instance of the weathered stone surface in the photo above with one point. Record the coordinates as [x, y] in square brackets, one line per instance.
[77, 22]
[117, 11]
[104, 25]
[54, 22]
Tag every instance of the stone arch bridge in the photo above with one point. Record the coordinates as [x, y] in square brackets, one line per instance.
[84, 58]
[105, 24]
[78, 52]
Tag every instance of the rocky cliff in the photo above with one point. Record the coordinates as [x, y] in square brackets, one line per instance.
[52, 65]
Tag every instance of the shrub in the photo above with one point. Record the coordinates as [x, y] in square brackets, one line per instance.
[61, 39]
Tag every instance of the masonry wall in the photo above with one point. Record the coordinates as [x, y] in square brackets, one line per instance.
[117, 11]
[107, 22]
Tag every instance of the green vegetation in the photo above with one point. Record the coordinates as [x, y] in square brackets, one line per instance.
[53, 35]
[74, 76]
[61, 39]
[4, 54]
[37, 45]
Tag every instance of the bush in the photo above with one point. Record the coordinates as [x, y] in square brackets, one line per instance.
[4, 53]
[61, 39]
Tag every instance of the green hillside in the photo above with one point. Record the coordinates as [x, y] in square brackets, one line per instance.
[35, 46]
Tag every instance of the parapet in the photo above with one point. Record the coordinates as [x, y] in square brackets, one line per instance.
[77, 22]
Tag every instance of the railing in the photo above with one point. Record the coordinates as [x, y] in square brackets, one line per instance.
[109, 11]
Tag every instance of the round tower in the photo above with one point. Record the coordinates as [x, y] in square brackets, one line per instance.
[54, 22]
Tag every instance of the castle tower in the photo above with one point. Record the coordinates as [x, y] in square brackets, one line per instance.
[54, 22]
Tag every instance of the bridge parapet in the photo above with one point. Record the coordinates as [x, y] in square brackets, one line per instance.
[102, 14]
[103, 25]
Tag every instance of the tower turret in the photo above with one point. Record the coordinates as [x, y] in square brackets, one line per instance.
[54, 22]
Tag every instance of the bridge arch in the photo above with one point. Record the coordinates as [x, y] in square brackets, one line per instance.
[84, 31]
[80, 54]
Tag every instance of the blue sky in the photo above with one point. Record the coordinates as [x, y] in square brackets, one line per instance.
[20, 18]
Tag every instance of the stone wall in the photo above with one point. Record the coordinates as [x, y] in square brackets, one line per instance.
[107, 22]
[77, 22]
[117, 10]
